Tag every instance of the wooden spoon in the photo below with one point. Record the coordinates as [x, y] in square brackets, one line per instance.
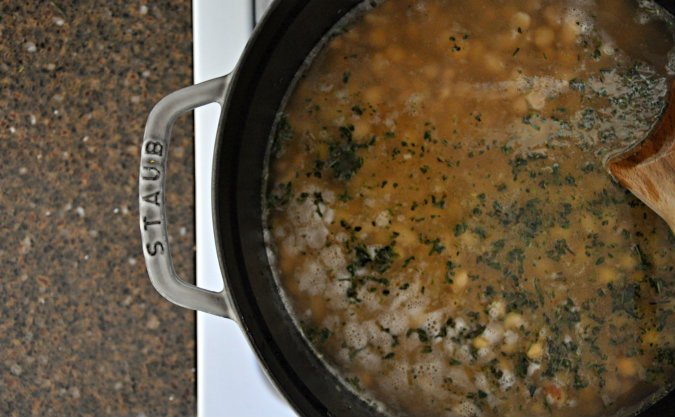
[648, 170]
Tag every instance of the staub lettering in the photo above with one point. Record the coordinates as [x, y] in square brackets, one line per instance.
[154, 148]
[155, 249]
[152, 198]
[150, 172]
[153, 173]
[147, 223]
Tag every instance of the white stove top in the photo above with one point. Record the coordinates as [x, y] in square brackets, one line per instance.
[230, 382]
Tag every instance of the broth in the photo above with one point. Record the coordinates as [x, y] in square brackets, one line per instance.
[440, 220]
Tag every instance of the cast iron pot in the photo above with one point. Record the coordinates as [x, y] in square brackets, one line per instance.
[250, 97]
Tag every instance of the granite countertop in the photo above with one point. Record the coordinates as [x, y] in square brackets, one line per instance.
[82, 331]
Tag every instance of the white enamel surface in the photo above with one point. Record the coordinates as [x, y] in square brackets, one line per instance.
[230, 382]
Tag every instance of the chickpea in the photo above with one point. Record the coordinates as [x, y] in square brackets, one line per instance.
[406, 238]
[520, 106]
[375, 19]
[544, 37]
[511, 89]
[535, 351]
[520, 20]
[589, 401]
[628, 261]
[569, 32]
[509, 348]
[536, 99]
[626, 366]
[469, 240]
[638, 276]
[513, 320]
[497, 309]
[379, 64]
[373, 94]
[352, 34]
[444, 92]
[560, 233]
[476, 50]
[431, 71]
[480, 342]
[493, 63]
[395, 54]
[448, 74]
[607, 49]
[651, 338]
[532, 5]
[506, 42]
[378, 38]
[459, 281]
[588, 223]
[362, 128]
[552, 14]
[336, 43]
[607, 274]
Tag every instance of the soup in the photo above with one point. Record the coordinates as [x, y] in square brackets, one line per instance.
[440, 220]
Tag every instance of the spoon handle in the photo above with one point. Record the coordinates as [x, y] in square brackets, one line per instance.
[648, 170]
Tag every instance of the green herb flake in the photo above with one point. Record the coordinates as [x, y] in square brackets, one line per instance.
[460, 228]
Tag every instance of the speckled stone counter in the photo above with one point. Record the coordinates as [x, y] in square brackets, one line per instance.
[82, 331]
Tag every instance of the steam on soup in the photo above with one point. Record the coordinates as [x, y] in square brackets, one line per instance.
[440, 219]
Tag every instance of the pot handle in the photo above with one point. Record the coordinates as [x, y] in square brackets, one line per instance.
[152, 186]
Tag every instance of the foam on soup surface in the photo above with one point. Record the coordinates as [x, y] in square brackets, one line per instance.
[440, 219]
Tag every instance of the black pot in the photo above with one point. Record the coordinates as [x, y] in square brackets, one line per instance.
[250, 98]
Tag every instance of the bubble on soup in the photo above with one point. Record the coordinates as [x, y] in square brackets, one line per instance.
[311, 278]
